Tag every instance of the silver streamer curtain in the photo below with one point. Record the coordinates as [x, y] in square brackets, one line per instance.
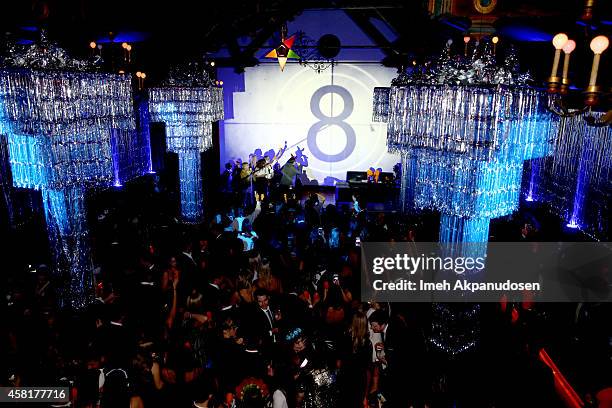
[381, 104]
[576, 181]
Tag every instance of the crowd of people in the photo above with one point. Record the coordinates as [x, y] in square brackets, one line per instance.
[257, 307]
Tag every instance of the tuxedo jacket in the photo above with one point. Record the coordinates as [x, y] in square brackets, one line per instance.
[259, 326]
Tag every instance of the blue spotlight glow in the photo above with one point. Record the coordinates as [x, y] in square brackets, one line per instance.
[524, 33]
[125, 36]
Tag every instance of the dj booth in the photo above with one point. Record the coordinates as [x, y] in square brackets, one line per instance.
[381, 196]
[357, 184]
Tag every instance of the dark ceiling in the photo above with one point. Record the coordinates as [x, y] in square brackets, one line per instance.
[167, 32]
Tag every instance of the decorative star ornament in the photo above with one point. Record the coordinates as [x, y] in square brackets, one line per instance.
[283, 52]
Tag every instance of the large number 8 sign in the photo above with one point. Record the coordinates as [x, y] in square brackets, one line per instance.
[325, 121]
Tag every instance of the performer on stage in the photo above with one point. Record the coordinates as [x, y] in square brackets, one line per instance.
[263, 171]
[289, 171]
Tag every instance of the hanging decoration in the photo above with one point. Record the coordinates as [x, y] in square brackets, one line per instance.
[454, 328]
[283, 52]
[131, 149]
[59, 114]
[317, 55]
[143, 118]
[471, 125]
[576, 181]
[381, 104]
[188, 103]
[6, 181]
[464, 127]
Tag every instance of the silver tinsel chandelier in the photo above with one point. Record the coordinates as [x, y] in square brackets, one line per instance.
[58, 114]
[464, 127]
[188, 103]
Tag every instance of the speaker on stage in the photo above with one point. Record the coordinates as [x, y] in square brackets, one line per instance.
[386, 178]
[356, 177]
[158, 145]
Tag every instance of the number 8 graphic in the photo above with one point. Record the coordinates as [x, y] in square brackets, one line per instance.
[351, 139]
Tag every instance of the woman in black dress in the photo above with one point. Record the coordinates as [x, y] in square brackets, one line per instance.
[356, 364]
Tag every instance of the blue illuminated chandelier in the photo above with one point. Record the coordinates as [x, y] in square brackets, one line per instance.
[464, 126]
[58, 114]
[188, 103]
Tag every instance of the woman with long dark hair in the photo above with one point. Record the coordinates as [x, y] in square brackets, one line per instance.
[355, 366]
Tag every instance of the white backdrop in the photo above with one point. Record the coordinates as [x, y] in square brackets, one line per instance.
[328, 114]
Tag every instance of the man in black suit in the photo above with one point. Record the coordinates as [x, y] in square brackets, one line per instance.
[403, 380]
[212, 293]
[189, 269]
[262, 321]
[147, 295]
[115, 340]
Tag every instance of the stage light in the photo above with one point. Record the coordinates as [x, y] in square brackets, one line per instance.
[138, 74]
[92, 45]
[143, 75]
[212, 63]
[129, 48]
[124, 45]
[221, 83]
